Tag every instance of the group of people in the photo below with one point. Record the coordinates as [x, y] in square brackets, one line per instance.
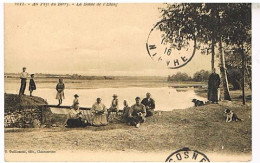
[32, 86]
[134, 115]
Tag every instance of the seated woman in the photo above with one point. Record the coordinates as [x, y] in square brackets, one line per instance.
[74, 113]
[113, 110]
[126, 110]
[99, 112]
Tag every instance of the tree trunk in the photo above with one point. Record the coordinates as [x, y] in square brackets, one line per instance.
[212, 55]
[243, 73]
[223, 73]
[249, 79]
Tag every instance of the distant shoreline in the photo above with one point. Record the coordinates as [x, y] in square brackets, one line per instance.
[12, 75]
[118, 82]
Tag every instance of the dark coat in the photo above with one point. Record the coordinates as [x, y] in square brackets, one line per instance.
[32, 85]
[213, 85]
[150, 104]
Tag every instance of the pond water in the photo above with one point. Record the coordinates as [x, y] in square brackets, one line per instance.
[166, 98]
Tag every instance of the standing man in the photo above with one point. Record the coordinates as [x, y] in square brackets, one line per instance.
[149, 104]
[213, 85]
[137, 113]
[23, 78]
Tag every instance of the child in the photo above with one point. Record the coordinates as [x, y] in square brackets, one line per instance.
[75, 104]
[32, 85]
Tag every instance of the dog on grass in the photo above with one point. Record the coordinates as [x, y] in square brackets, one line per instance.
[197, 102]
[139, 114]
[231, 116]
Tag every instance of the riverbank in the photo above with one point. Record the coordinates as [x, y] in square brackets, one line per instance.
[236, 95]
[202, 128]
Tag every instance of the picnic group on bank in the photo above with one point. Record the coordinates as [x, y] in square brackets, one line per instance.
[99, 114]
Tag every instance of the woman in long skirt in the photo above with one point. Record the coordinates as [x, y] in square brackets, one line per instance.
[60, 91]
[99, 112]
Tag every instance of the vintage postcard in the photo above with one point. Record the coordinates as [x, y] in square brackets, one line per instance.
[128, 82]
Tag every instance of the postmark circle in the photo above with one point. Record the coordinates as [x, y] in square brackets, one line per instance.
[187, 155]
[173, 48]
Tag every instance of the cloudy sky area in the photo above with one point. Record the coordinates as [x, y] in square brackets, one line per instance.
[85, 40]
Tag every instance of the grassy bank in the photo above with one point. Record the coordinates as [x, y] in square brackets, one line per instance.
[201, 128]
[236, 95]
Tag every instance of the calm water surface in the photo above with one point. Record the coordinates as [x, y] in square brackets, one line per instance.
[166, 98]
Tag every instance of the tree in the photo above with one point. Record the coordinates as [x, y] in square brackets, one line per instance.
[179, 76]
[234, 77]
[239, 33]
[201, 75]
[212, 25]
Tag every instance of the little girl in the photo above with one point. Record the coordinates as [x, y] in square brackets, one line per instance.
[32, 85]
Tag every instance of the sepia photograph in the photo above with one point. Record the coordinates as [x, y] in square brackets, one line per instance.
[157, 82]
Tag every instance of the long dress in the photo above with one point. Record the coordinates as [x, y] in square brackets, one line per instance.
[213, 85]
[60, 91]
[99, 118]
[74, 111]
[32, 85]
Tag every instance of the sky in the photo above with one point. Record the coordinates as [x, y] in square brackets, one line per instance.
[89, 40]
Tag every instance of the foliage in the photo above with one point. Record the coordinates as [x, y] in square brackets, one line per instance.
[200, 76]
[209, 22]
[179, 76]
[227, 25]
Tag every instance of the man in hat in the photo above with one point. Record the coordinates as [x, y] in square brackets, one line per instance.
[137, 113]
[23, 78]
[149, 104]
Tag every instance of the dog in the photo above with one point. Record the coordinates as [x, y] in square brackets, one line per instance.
[197, 102]
[139, 114]
[231, 116]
